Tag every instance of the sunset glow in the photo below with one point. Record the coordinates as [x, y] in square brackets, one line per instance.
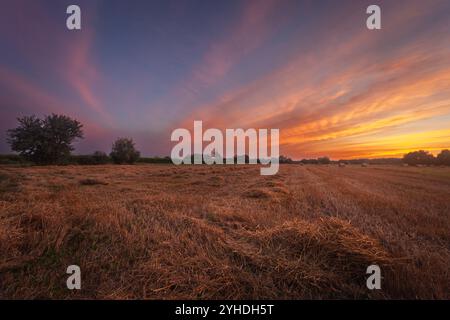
[311, 69]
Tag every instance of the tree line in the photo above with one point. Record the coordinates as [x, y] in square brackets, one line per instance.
[49, 141]
[423, 157]
[415, 158]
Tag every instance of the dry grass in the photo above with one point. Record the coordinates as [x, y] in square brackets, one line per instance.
[165, 232]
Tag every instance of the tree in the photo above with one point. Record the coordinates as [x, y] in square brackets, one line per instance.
[324, 160]
[443, 158]
[418, 157]
[45, 141]
[123, 151]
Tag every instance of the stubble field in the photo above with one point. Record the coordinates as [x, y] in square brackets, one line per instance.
[224, 232]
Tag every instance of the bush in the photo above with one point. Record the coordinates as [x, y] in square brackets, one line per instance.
[155, 160]
[324, 160]
[99, 157]
[309, 161]
[123, 151]
[11, 159]
[283, 159]
[80, 159]
[96, 158]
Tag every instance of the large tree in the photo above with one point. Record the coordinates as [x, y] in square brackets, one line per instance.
[45, 141]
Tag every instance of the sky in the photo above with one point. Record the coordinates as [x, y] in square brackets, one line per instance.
[312, 69]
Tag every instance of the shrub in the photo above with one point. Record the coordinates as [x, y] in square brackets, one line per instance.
[96, 158]
[155, 160]
[309, 161]
[123, 151]
[80, 159]
[99, 157]
[283, 159]
[324, 160]
[11, 159]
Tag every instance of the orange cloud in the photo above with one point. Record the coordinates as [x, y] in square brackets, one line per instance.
[362, 95]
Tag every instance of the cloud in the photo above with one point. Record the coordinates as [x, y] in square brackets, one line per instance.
[349, 91]
[240, 39]
[20, 97]
[312, 70]
[83, 75]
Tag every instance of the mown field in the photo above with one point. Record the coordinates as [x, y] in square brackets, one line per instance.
[224, 232]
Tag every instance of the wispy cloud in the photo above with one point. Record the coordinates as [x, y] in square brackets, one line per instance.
[339, 95]
[311, 69]
[82, 75]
